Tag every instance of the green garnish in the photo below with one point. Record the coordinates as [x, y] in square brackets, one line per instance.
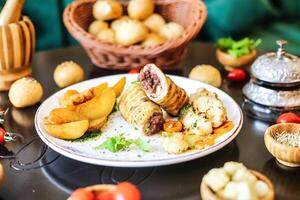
[185, 110]
[115, 108]
[120, 143]
[135, 82]
[238, 48]
[88, 136]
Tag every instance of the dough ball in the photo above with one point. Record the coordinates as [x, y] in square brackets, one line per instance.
[171, 31]
[25, 92]
[207, 74]
[115, 24]
[68, 73]
[216, 179]
[155, 22]
[153, 39]
[129, 32]
[107, 9]
[107, 35]
[96, 26]
[140, 9]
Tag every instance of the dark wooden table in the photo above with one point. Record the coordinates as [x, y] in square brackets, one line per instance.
[37, 172]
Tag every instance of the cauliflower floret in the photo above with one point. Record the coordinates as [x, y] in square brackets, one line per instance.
[216, 179]
[175, 143]
[232, 167]
[261, 188]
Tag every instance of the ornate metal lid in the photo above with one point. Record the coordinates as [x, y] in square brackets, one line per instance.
[279, 67]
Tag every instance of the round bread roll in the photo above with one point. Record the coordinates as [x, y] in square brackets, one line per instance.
[153, 39]
[107, 9]
[171, 31]
[96, 26]
[115, 24]
[107, 35]
[155, 22]
[140, 9]
[25, 92]
[207, 74]
[129, 32]
[68, 73]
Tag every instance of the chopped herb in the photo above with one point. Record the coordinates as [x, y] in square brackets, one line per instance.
[135, 128]
[139, 155]
[195, 124]
[135, 82]
[115, 108]
[143, 145]
[237, 48]
[185, 110]
[88, 136]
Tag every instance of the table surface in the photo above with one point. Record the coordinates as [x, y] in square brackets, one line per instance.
[37, 172]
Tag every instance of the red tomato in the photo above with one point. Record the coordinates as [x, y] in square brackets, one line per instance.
[2, 134]
[237, 75]
[134, 71]
[127, 191]
[82, 194]
[288, 118]
[105, 196]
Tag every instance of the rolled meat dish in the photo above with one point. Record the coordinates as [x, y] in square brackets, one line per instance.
[162, 90]
[138, 110]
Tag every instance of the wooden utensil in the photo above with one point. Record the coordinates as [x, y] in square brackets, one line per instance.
[11, 12]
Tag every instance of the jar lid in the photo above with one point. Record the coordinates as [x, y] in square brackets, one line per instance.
[279, 67]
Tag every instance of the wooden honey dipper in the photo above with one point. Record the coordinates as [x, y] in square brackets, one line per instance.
[11, 12]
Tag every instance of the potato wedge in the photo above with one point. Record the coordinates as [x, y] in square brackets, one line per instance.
[97, 124]
[99, 89]
[66, 99]
[119, 86]
[68, 131]
[63, 115]
[99, 106]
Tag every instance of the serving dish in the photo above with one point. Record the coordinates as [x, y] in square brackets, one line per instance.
[134, 158]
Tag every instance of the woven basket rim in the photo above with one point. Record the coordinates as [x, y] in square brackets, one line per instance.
[86, 38]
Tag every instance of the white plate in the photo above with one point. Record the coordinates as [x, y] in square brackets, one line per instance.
[85, 152]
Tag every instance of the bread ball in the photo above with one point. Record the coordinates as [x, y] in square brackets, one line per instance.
[140, 9]
[155, 22]
[107, 9]
[107, 35]
[25, 92]
[96, 26]
[129, 32]
[171, 31]
[207, 74]
[68, 73]
[153, 39]
[115, 24]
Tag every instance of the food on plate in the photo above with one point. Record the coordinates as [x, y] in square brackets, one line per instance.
[107, 35]
[97, 124]
[97, 91]
[162, 90]
[140, 9]
[129, 32]
[124, 191]
[171, 30]
[63, 115]
[68, 73]
[234, 181]
[140, 111]
[107, 9]
[25, 92]
[1, 174]
[96, 26]
[68, 131]
[172, 126]
[237, 75]
[236, 53]
[119, 86]
[175, 143]
[155, 22]
[153, 39]
[207, 74]
[288, 118]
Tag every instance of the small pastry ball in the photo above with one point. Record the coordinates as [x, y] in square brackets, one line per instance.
[115, 24]
[153, 39]
[140, 9]
[171, 31]
[107, 35]
[25, 92]
[207, 74]
[129, 32]
[155, 22]
[68, 73]
[107, 9]
[96, 26]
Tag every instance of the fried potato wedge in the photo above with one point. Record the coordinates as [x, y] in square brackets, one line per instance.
[97, 91]
[68, 131]
[99, 106]
[119, 86]
[66, 99]
[63, 115]
[97, 124]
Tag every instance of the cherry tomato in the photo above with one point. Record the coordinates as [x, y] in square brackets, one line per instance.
[134, 71]
[288, 118]
[127, 191]
[105, 196]
[82, 194]
[172, 126]
[237, 75]
[2, 135]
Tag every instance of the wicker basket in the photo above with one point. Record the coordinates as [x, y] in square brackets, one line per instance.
[191, 14]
